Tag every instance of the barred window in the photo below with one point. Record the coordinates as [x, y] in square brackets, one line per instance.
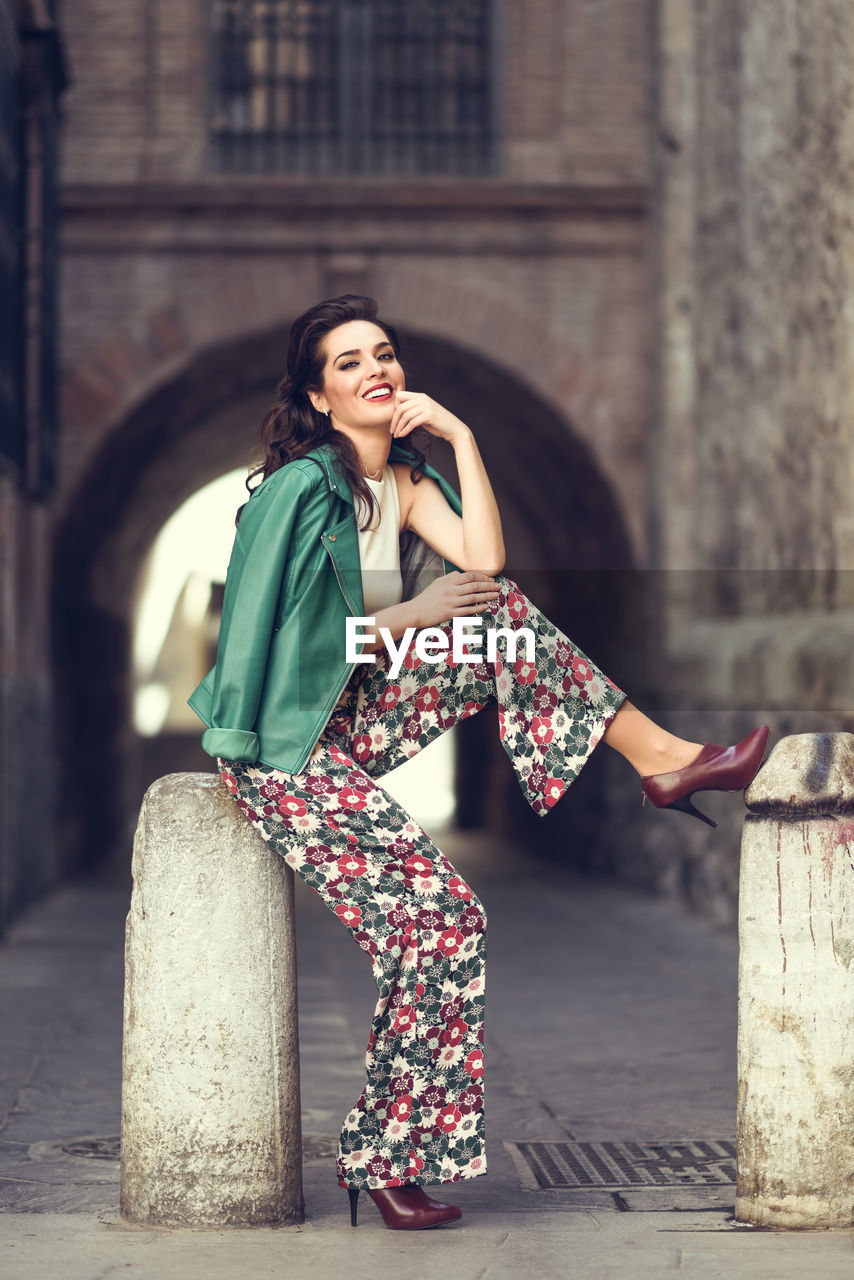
[353, 86]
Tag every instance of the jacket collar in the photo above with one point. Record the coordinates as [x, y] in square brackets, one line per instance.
[326, 454]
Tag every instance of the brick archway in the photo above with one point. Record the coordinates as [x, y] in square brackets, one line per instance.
[560, 516]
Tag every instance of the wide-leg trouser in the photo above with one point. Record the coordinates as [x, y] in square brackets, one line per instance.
[420, 1116]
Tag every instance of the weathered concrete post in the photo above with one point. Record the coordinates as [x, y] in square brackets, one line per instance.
[796, 988]
[210, 1080]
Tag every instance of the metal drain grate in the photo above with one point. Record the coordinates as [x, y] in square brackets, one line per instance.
[700, 1162]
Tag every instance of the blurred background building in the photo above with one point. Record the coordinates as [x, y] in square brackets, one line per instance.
[616, 239]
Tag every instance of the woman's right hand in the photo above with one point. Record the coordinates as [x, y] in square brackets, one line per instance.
[454, 596]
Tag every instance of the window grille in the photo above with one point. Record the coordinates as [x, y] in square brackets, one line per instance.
[353, 86]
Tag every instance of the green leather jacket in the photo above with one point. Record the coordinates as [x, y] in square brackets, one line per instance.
[293, 578]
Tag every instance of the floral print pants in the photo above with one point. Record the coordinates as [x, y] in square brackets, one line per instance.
[420, 1116]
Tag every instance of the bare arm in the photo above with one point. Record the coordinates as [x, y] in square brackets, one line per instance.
[475, 540]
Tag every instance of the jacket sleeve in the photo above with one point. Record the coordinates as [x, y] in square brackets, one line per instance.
[252, 587]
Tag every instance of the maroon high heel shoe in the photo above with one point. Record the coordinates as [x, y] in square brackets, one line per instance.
[406, 1208]
[714, 769]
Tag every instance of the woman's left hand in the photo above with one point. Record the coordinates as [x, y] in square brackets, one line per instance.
[414, 409]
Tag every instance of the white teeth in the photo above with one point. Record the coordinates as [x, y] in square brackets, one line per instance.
[374, 395]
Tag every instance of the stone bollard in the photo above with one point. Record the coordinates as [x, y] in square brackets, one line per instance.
[796, 988]
[210, 1133]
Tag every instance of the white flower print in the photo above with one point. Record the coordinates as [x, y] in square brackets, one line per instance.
[306, 822]
[427, 886]
[596, 689]
[450, 1056]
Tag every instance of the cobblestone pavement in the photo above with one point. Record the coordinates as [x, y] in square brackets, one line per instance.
[611, 1025]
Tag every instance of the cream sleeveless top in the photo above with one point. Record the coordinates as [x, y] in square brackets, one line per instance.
[379, 547]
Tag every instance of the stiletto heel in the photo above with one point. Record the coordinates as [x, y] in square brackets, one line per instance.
[714, 769]
[685, 806]
[353, 1193]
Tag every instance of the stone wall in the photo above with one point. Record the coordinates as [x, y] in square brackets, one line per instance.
[522, 300]
[29, 862]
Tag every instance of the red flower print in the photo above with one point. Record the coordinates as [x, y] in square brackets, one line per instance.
[450, 941]
[470, 921]
[541, 730]
[272, 790]
[470, 1099]
[582, 669]
[411, 730]
[474, 1063]
[553, 789]
[435, 1095]
[525, 672]
[418, 865]
[459, 888]
[451, 1009]
[537, 778]
[427, 698]
[352, 864]
[402, 1108]
[292, 807]
[401, 848]
[361, 746]
[317, 854]
[231, 782]
[350, 798]
[543, 700]
[416, 1164]
[411, 659]
[379, 1168]
[382, 1109]
[348, 913]
[320, 786]
[429, 918]
[367, 943]
[339, 755]
[337, 888]
[448, 1119]
[397, 916]
[391, 695]
[402, 1084]
[516, 606]
[455, 1033]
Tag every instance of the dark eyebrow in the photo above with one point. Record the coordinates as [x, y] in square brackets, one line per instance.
[356, 352]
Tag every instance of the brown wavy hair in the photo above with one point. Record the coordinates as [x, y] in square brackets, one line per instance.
[292, 426]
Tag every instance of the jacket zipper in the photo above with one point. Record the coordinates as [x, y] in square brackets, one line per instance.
[352, 665]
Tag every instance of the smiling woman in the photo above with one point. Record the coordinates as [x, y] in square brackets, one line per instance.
[302, 730]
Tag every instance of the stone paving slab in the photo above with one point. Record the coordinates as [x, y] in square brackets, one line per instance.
[549, 1245]
[608, 1017]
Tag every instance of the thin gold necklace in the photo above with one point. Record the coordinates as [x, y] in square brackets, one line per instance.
[373, 476]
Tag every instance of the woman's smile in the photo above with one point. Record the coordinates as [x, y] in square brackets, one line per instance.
[361, 369]
[381, 393]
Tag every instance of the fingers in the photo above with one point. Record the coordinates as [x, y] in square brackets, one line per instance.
[404, 402]
[471, 575]
[409, 419]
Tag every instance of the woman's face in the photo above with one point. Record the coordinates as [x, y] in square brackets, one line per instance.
[360, 376]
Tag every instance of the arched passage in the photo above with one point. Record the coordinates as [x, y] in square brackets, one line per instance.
[561, 521]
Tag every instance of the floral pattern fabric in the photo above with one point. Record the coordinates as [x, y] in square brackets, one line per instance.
[420, 1117]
